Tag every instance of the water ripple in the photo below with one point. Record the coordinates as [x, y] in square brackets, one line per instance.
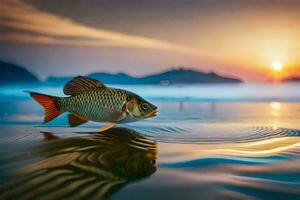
[215, 134]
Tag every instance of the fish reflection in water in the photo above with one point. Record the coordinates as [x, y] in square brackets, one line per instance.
[85, 167]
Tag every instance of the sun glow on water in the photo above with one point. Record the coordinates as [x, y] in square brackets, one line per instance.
[275, 106]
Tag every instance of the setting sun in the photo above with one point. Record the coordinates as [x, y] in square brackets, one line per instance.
[277, 66]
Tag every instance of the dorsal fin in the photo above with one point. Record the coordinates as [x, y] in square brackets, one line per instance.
[80, 84]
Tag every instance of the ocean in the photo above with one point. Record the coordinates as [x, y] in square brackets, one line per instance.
[223, 141]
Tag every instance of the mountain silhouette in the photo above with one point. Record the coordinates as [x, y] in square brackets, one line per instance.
[182, 76]
[11, 74]
[173, 76]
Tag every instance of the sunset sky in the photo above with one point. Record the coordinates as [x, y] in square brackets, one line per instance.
[254, 40]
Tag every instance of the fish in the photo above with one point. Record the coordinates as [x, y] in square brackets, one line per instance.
[91, 100]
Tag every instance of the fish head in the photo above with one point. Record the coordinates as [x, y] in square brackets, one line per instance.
[139, 108]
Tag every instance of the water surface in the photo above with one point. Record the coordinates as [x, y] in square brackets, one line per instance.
[208, 142]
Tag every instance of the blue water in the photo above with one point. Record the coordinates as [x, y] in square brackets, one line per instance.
[208, 142]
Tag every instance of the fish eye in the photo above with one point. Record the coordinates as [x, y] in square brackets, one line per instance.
[145, 106]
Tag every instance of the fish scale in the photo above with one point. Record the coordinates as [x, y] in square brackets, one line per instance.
[94, 103]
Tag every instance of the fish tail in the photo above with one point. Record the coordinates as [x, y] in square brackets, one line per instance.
[49, 103]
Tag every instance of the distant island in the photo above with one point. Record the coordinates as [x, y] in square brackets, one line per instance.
[14, 74]
[173, 76]
[11, 74]
[292, 79]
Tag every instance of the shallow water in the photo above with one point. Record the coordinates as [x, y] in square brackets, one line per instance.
[194, 149]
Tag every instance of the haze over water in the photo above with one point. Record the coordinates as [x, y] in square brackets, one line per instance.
[208, 141]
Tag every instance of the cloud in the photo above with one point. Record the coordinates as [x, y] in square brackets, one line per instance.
[50, 40]
[28, 38]
[43, 27]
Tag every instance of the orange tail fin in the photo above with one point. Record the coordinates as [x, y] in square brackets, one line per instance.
[49, 104]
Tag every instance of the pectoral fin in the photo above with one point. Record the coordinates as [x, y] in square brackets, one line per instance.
[116, 115]
[75, 120]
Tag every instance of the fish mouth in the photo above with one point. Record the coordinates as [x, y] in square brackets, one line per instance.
[153, 113]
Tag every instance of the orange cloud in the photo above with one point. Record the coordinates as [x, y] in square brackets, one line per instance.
[28, 38]
[54, 29]
[51, 40]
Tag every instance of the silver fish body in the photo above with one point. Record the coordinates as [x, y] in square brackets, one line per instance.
[97, 105]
